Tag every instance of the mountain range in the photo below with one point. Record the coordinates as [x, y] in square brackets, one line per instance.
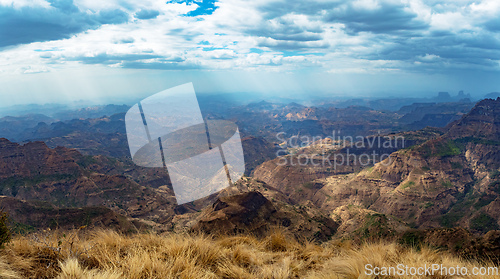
[442, 178]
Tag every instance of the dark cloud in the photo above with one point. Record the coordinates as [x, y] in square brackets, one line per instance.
[290, 45]
[277, 9]
[441, 51]
[112, 17]
[29, 25]
[284, 35]
[286, 30]
[386, 18]
[493, 24]
[64, 5]
[38, 24]
[147, 14]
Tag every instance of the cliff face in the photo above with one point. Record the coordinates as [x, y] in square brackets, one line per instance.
[257, 151]
[66, 178]
[27, 216]
[36, 159]
[451, 179]
[482, 122]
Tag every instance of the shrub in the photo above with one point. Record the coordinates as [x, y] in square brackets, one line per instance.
[4, 230]
[484, 223]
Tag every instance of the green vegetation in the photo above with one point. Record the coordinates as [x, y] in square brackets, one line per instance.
[407, 184]
[375, 226]
[4, 229]
[446, 184]
[456, 213]
[21, 229]
[450, 219]
[86, 161]
[483, 201]
[441, 149]
[426, 169]
[477, 141]
[308, 185]
[15, 182]
[447, 149]
[428, 204]
[495, 174]
[456, 165]
[484, 223]
[412, 239]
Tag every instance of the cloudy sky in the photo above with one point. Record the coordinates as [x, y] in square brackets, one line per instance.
[62, 50]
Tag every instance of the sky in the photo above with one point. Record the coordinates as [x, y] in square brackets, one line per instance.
[103, 51]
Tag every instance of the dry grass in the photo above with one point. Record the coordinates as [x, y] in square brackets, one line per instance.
[107, 254]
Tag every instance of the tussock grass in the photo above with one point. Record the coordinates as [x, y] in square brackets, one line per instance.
[107, 254]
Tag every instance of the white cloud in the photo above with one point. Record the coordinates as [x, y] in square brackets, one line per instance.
[451, 21]
[25, 3]
[269, 35]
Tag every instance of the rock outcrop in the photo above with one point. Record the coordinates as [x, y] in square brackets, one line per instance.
[253, 213]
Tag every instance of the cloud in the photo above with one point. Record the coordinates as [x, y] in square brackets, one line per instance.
[160, 65]
[61, 20]
[376, 16]
[125, 40]
[104, 58]
[373, 35]
[285, 29]
[116, 16]
[493, 24]
[147, 14]
[27, 25]
[282, 45]
[64, 5]
[34, 70]
[275, 9]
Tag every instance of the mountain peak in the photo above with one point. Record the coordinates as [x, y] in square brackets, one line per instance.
[483, 121]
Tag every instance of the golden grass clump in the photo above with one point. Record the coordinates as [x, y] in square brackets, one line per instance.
[103, 254]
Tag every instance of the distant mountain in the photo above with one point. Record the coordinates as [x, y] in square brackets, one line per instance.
[492, 95]
[91, 112]
[20, 110]
[420, 115]
[12, 126]
[98, 136]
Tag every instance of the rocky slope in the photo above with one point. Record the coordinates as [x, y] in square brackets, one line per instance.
[448, 181]
[252, 213]
[28, 216]
[441, 177]
[66, 178]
